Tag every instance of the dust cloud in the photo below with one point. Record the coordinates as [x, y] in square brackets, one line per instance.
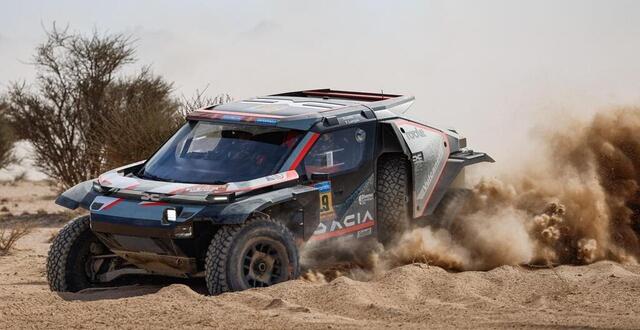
[576, 203]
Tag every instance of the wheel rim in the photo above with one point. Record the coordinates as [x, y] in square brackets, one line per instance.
[264, 263]
[96, 262]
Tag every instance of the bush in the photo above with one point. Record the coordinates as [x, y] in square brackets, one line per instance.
[143, 115]
[6, 140]
[200, 100]
[82, 117]
[9, 237]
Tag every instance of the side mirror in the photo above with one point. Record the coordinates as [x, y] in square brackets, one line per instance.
[320, 176]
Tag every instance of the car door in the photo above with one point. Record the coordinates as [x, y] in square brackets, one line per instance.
[340, 165]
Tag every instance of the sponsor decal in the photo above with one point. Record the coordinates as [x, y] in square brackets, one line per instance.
[326, 200]
[416, 133]
[349, 224]
[198, 189]
[324, 186]
[206, 189]
[151, 197]
[267, 121]
[365, 198]
[275, 177]
[351, 119]
[364, 232]
[417, 157]
[432, 174]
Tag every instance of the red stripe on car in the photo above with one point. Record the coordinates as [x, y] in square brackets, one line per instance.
[153, 203]
[234, 113]
[112, 204]
[305, 150]
[342, 231]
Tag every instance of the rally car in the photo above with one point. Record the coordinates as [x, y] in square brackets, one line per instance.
[236, 192]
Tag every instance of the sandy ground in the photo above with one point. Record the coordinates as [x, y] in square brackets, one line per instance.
[602, 295]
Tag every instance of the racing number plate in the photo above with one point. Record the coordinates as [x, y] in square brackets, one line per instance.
[326, 199]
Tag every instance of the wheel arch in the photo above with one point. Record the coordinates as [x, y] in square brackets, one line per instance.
[298, 208]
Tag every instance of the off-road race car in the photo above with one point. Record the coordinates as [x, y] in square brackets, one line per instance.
[238, 190]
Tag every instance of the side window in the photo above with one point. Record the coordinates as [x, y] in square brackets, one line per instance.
[336, 152]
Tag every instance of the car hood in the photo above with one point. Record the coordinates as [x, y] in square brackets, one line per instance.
[127, 183]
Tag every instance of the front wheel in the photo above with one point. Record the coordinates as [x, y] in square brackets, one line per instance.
[70, 263]
[258, 253]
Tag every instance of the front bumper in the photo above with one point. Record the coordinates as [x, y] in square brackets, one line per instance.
[136, 232]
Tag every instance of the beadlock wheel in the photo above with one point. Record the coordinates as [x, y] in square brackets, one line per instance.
[258, 253]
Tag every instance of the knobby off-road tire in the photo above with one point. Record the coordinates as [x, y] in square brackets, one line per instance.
[257, 253]
[68, 256]
[393, 195]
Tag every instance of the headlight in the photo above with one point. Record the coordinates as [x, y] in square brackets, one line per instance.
[171, 214]
[220, 198]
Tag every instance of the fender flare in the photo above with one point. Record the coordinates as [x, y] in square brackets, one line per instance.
[448, 167]
[303, 200]
[80, 195]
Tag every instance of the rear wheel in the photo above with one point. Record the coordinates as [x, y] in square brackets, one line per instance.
[392, 196]
[75, 257]
[258, 253]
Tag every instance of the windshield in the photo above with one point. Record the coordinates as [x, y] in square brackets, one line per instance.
[216, 153]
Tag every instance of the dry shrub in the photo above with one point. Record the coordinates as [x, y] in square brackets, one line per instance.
[7, 140]
[9, 237]
[68, 102]
[200, 99]
[143, 115]
[83, 116]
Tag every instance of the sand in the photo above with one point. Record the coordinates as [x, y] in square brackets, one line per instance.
[604, 294]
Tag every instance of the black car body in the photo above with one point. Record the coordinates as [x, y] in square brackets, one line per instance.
[308, 159]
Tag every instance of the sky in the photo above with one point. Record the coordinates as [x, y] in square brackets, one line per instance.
[497, 71]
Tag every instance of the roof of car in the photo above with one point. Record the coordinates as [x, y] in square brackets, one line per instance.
[302, 107]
